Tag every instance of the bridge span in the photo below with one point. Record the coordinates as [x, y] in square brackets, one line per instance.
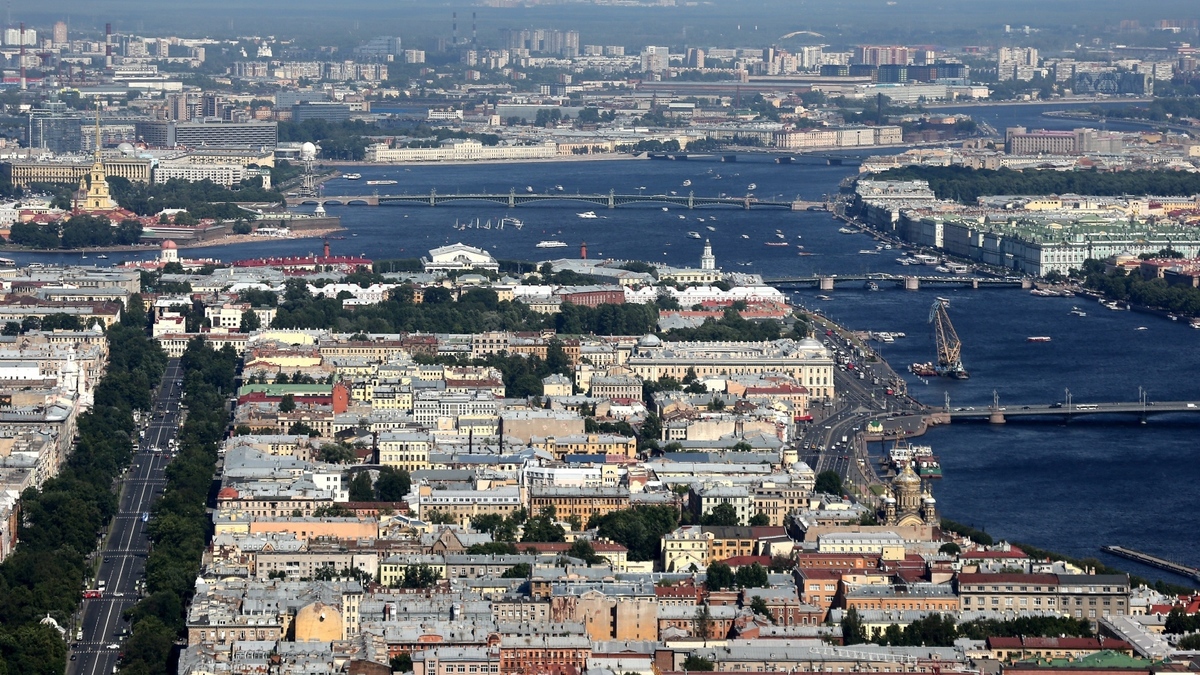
[513, 199]
[1139, 410]
[909, 282]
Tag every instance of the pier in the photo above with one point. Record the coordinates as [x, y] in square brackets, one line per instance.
[1153, 561]
[513, 199]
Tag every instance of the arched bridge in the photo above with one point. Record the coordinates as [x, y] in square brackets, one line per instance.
[513, 199]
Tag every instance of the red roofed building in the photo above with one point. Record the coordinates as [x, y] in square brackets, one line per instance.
[1021, 648]
[307, 263]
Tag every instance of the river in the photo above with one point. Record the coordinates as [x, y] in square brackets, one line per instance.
[1067, 488]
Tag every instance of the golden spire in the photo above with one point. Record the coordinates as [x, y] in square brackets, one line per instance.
[97, 131]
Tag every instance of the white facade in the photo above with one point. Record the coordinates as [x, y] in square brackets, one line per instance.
[462, 150]
[459, 256]
[221, 174]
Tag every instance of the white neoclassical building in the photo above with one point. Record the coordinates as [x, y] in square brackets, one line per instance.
[457, 257]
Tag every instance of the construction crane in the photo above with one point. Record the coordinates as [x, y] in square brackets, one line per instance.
[949, 347]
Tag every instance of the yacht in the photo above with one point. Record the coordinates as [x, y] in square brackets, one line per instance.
[687, 183]
[745, 236]
[693, 235]
[588, 215]
[710, 228]
[102, 257]
[1075, 311]
[352, 176]
[550, 244]
[665, 209]
[558, 188]
[752, 187]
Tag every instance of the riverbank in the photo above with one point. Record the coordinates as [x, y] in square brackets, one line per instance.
[602, 157]
[229, 240]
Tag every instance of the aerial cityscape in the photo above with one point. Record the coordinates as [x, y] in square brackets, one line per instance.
[599, 337]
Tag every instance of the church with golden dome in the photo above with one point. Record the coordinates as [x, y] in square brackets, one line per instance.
[908, 501]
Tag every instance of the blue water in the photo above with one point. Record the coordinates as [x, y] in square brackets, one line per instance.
[1066, 488]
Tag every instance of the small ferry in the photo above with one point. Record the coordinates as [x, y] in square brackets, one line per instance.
[382, 182]
[352, 176]
[550, 244]
[872, 286]
[1038, 338]
[868, 251]
[777, 243]
[587, 215]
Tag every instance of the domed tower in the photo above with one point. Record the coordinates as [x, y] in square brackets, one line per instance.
[708, 261]
[906, 503]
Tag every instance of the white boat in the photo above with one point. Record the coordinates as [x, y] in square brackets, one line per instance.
[745, 236]
[752, 186]
[683, 217]
[868, 251]
[102, 257]
[847, 230]
[558, 187]
[529, 188]
[710, 228]
[550, 244]
[687, 183]
[942, 268]
[589, 215]
[1141, 328]
[693, 235]
[352, 176]
[512, 222]
[1075, 311]
[665, 209]
[779, 235]
[382, 182]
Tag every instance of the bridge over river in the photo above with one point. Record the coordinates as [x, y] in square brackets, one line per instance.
[910, 282]
[513, 199]
[1137, 410]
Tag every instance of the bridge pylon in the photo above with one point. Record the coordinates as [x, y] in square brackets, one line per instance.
[691, 199]
[433, 196]
[512, 198]
[612, 199]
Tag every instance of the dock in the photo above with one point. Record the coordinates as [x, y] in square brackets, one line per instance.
[1153, 561]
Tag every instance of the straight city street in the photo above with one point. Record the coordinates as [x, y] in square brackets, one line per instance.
[100, 630]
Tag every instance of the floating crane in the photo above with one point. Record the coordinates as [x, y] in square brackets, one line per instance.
[949, 347]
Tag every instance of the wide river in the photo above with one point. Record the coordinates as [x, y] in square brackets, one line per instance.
[1068, 488]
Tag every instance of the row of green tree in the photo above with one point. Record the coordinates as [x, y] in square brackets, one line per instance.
[201, 199]
[937, 630]
[966, 185]
[79, 231]
[338, 140]
[1159, 110]
[1137, 289]
[179, 527]
[476, 311]
[61, 524]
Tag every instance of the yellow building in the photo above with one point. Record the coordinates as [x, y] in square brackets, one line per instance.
[408, 451]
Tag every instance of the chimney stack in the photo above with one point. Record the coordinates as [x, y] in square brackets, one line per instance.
[454, 28]
[108, 61]
[22, 57]
[326, 248]
[474, 34]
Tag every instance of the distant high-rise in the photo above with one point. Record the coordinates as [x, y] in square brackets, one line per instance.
[60, 33]
[655, 59]
[695, 58]
[877, 55]
[177, 108]
[544, 41]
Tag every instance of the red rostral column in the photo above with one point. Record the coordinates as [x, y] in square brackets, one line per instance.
[583, 250]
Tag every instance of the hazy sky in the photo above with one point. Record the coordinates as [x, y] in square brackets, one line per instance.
[718, 22]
